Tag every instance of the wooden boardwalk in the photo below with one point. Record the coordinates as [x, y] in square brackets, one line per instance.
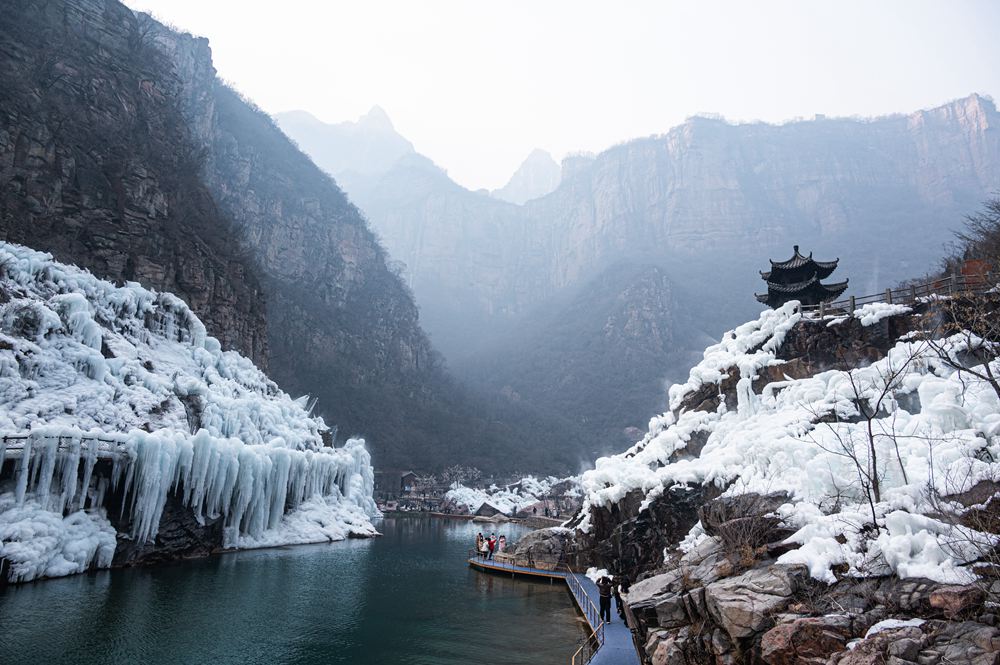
[614, 638]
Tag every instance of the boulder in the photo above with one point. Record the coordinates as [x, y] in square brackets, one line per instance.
[933, 643]
[874, 650]
[545, 548]
[967, 642]
[806, 641]
[743, 605]
[956, 600]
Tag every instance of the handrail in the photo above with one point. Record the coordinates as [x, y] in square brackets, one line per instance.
[593, 618]
[950, 285]
[595, 640]
[16, 443]
[508, 561]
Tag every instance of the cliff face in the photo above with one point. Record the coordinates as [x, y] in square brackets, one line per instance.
[99, 166]
[123, 153]
[706, 204]
[704, 190]
[600, 355]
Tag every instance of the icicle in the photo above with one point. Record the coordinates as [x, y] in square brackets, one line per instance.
[22, 473]
[88, 470]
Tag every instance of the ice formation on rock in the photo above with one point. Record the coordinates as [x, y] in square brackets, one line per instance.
[511, 498]
[92, 373]
[936, 434]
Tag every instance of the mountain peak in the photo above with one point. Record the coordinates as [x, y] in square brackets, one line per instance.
[368, 146]
[539, 174]
[376, 117]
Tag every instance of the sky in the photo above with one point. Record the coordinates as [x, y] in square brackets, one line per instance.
[477, 85]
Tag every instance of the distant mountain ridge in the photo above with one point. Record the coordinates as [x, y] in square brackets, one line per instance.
[367, 147]
[708, 203]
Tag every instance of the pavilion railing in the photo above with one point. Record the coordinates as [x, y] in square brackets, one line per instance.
[956, 284]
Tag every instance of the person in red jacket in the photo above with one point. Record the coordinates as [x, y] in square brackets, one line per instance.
[492, 545]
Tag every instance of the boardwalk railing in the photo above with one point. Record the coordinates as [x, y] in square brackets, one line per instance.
[956, 284]
[12, 445]
[505, 560]
[517, 564]
[596, 639]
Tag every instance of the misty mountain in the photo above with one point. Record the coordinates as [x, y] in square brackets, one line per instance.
[537, 176]
[708, 203]
[367, 147]
[125, 154]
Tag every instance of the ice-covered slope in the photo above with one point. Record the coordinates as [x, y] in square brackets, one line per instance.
[934, 433]
[107, 389]
[510, 499]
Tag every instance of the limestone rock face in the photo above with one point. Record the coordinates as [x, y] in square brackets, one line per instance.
[547, 548]
[744, 604]
[99, 167]
[122, 152]
[806, 641]
[703, 189]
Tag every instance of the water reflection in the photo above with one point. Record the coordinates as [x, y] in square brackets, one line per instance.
[405, 597]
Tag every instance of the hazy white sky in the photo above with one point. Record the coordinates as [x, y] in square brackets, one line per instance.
[477, 85]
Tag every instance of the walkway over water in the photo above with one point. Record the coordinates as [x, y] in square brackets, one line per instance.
[610, 643]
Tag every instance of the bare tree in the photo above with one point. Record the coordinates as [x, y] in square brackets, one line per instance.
[459, 473]
[873, 394]
[964, 334]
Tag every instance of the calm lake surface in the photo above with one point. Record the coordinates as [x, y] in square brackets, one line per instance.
[407, 597]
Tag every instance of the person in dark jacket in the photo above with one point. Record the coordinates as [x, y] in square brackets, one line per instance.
[604, 587]
[621, 586]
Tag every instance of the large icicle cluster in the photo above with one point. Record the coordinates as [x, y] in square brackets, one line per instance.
[936, 434]
[90, 371]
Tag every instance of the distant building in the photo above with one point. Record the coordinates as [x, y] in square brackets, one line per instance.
[798, 278]
[407, 482]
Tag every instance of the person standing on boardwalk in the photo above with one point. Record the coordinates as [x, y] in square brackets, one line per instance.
[604, 586]
[619, 604]
[492, 545]
[479, 543]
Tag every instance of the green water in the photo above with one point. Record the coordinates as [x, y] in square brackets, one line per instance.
[407, 597]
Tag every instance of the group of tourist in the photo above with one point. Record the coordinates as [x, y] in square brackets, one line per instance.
[612, 586]
[487, 547]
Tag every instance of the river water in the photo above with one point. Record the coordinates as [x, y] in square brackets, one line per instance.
[407, 597]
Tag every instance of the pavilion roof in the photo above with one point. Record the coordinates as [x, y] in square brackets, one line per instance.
[798, 260]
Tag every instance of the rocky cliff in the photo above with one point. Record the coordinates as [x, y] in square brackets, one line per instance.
[99, 165]
[821, 491]
[707, 203]
[703, 191]
[124, 153]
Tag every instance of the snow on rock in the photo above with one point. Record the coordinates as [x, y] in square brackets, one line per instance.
[874, 312]
[799, 436]
[91, 372]
[508, 499]
[893, 624]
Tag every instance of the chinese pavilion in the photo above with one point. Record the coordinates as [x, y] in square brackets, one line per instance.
[798, 278]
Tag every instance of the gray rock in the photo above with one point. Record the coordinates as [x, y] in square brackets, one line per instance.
[545, 548]
[744, 604]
